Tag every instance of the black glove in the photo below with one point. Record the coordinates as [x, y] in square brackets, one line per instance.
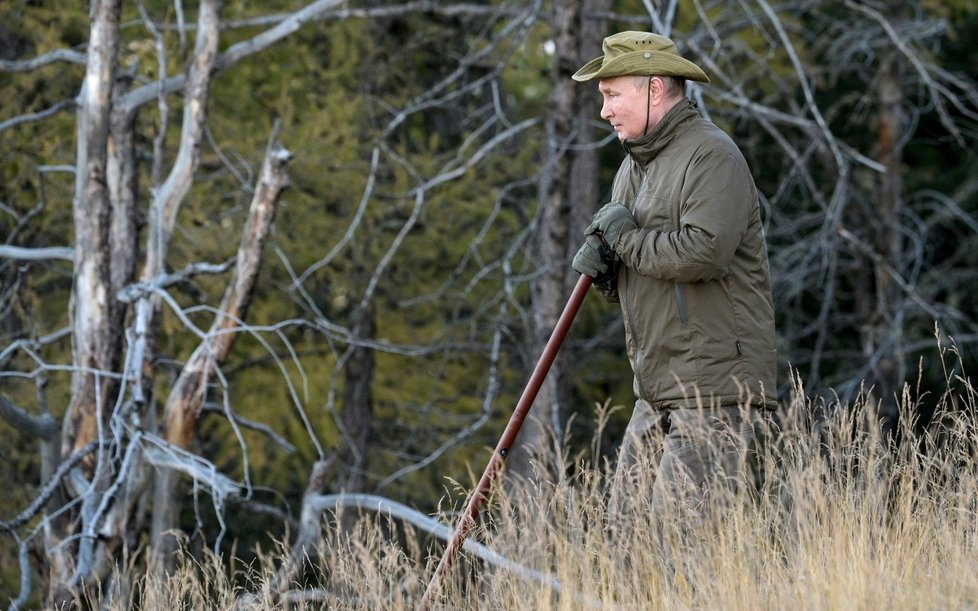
[611, 221]
[595, 259]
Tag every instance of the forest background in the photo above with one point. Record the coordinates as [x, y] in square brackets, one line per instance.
[253, 250]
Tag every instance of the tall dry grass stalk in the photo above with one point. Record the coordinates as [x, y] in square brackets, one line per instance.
[841, 519]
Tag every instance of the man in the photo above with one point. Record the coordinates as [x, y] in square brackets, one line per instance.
[681, 247]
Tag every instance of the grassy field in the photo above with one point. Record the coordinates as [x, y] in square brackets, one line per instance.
[842, 520]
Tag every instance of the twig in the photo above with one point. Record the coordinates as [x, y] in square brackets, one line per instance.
[49, 488]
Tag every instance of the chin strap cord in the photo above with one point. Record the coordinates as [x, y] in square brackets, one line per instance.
[648, 107]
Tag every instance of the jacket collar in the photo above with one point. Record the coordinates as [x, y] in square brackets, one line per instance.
[645, 148]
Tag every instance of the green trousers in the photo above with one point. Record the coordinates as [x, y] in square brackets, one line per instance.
[677, 468]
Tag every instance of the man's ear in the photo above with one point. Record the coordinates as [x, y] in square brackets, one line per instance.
[656, 87]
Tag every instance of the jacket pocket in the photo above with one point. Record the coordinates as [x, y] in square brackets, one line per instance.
[681, 304]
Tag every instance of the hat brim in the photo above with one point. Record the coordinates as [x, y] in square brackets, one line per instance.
[640, 63]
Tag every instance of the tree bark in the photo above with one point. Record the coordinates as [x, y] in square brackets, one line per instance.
[94, 351]
[95, 342]
[357, 412]
[568, 198]
[888, 358]
[879, 297]
[123, 185]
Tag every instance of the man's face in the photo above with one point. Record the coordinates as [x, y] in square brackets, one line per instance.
[625, 105]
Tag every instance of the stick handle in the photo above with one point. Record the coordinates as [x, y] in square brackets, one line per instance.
[512, 429]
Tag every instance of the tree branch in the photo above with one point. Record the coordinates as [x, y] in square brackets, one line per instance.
[37, 116]
[42, 426]
[934, 89]
[138, 290]
[315, 504]
[163, 455]
[19, 253]
[27, 65]
[48, 490]
[188, 392]
[282, 442]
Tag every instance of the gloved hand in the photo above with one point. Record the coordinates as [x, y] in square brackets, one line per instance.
[594, 259]
[611, 221]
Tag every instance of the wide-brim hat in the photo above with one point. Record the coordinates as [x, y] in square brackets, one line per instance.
[639, 54]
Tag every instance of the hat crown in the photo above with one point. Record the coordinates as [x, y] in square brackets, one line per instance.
[639, 54]
[630, 42]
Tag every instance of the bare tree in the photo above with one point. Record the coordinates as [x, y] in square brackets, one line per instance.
[107, 441]
[569, 195]
[825, 105]
[95, 498]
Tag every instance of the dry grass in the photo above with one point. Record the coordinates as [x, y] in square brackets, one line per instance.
[840, 522]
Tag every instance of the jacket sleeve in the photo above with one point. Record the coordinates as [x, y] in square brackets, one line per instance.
[717, 199]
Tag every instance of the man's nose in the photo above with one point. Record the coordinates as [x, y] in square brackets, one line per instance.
[605, 111]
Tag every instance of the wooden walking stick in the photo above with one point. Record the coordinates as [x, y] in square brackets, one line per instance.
[468, 518]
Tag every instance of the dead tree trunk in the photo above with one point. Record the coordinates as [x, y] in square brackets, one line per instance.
[95, 341]
[887, 358]
[187, 397]
[568, 197]
[879, 297]
[358, 398]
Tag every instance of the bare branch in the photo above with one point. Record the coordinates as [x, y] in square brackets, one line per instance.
[281, 30]
[161, 102]
[486, 412]
[803, 81]
[351, 229]
[170, 195]
[734, 95]
[30, 344]
[185, 399]
[19, 253]
[27, 65]
[163, 455]
[37, 116]
[48, 490]
[315, 504]
[379, 12]
[187, 394]
[936, 91]
[909, 290]
[211, 408]
[420, 192]
[42, 426]
[23, 559]
[137, 290]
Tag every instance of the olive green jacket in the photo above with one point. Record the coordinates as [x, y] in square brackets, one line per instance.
[693, 281]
